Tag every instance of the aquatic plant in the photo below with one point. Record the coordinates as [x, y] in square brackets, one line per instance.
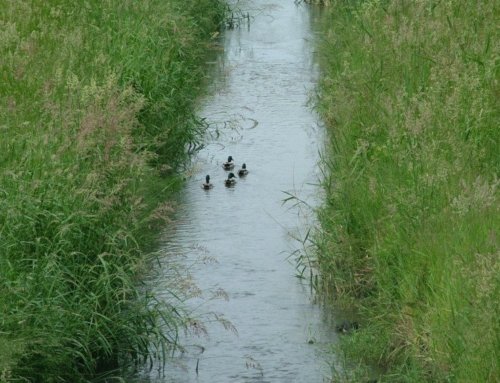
[409, 92]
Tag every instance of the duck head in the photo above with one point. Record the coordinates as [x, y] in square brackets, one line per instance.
[229, 159]
[207, 178]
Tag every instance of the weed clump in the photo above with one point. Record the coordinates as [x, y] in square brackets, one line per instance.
[410, 224]
[97, 102]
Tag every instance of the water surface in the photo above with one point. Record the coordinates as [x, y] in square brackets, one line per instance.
[261, 85]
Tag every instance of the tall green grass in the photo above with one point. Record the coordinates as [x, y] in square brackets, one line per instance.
[410, 227]
[97, 106]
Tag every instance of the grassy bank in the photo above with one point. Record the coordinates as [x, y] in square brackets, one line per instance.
[410, 227]
[96, 113]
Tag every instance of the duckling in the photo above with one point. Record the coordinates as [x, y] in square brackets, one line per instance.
[243, 171]
[231, 179]
[229, 164]
[207, 185]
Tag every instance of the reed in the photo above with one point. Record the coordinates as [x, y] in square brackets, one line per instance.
[410, 225]
[97, 107]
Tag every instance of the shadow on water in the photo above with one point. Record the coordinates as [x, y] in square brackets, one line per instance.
[236, 240]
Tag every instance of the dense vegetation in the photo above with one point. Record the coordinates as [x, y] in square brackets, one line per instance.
[96, 111]
[410, 228]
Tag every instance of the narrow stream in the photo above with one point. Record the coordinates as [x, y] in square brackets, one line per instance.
[261, 85]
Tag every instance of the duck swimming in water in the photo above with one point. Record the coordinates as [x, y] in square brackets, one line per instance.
[231, 179]
[229, 164]
[207, 185]
[243, 171]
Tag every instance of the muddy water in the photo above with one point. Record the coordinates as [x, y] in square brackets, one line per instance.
[258, 115]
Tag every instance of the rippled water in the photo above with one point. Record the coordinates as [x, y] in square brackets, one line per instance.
[262, 82]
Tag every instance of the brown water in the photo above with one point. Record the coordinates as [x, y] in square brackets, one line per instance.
[262, 82]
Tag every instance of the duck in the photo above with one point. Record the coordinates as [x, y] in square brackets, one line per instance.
[346, 326]
[229, 164]
[231, 179]
[207, 185]
[243, 171]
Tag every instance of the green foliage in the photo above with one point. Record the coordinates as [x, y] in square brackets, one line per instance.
[91, 95]
[410, 224]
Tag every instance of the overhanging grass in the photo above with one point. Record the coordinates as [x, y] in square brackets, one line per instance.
[410, 226]
[91, 96]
